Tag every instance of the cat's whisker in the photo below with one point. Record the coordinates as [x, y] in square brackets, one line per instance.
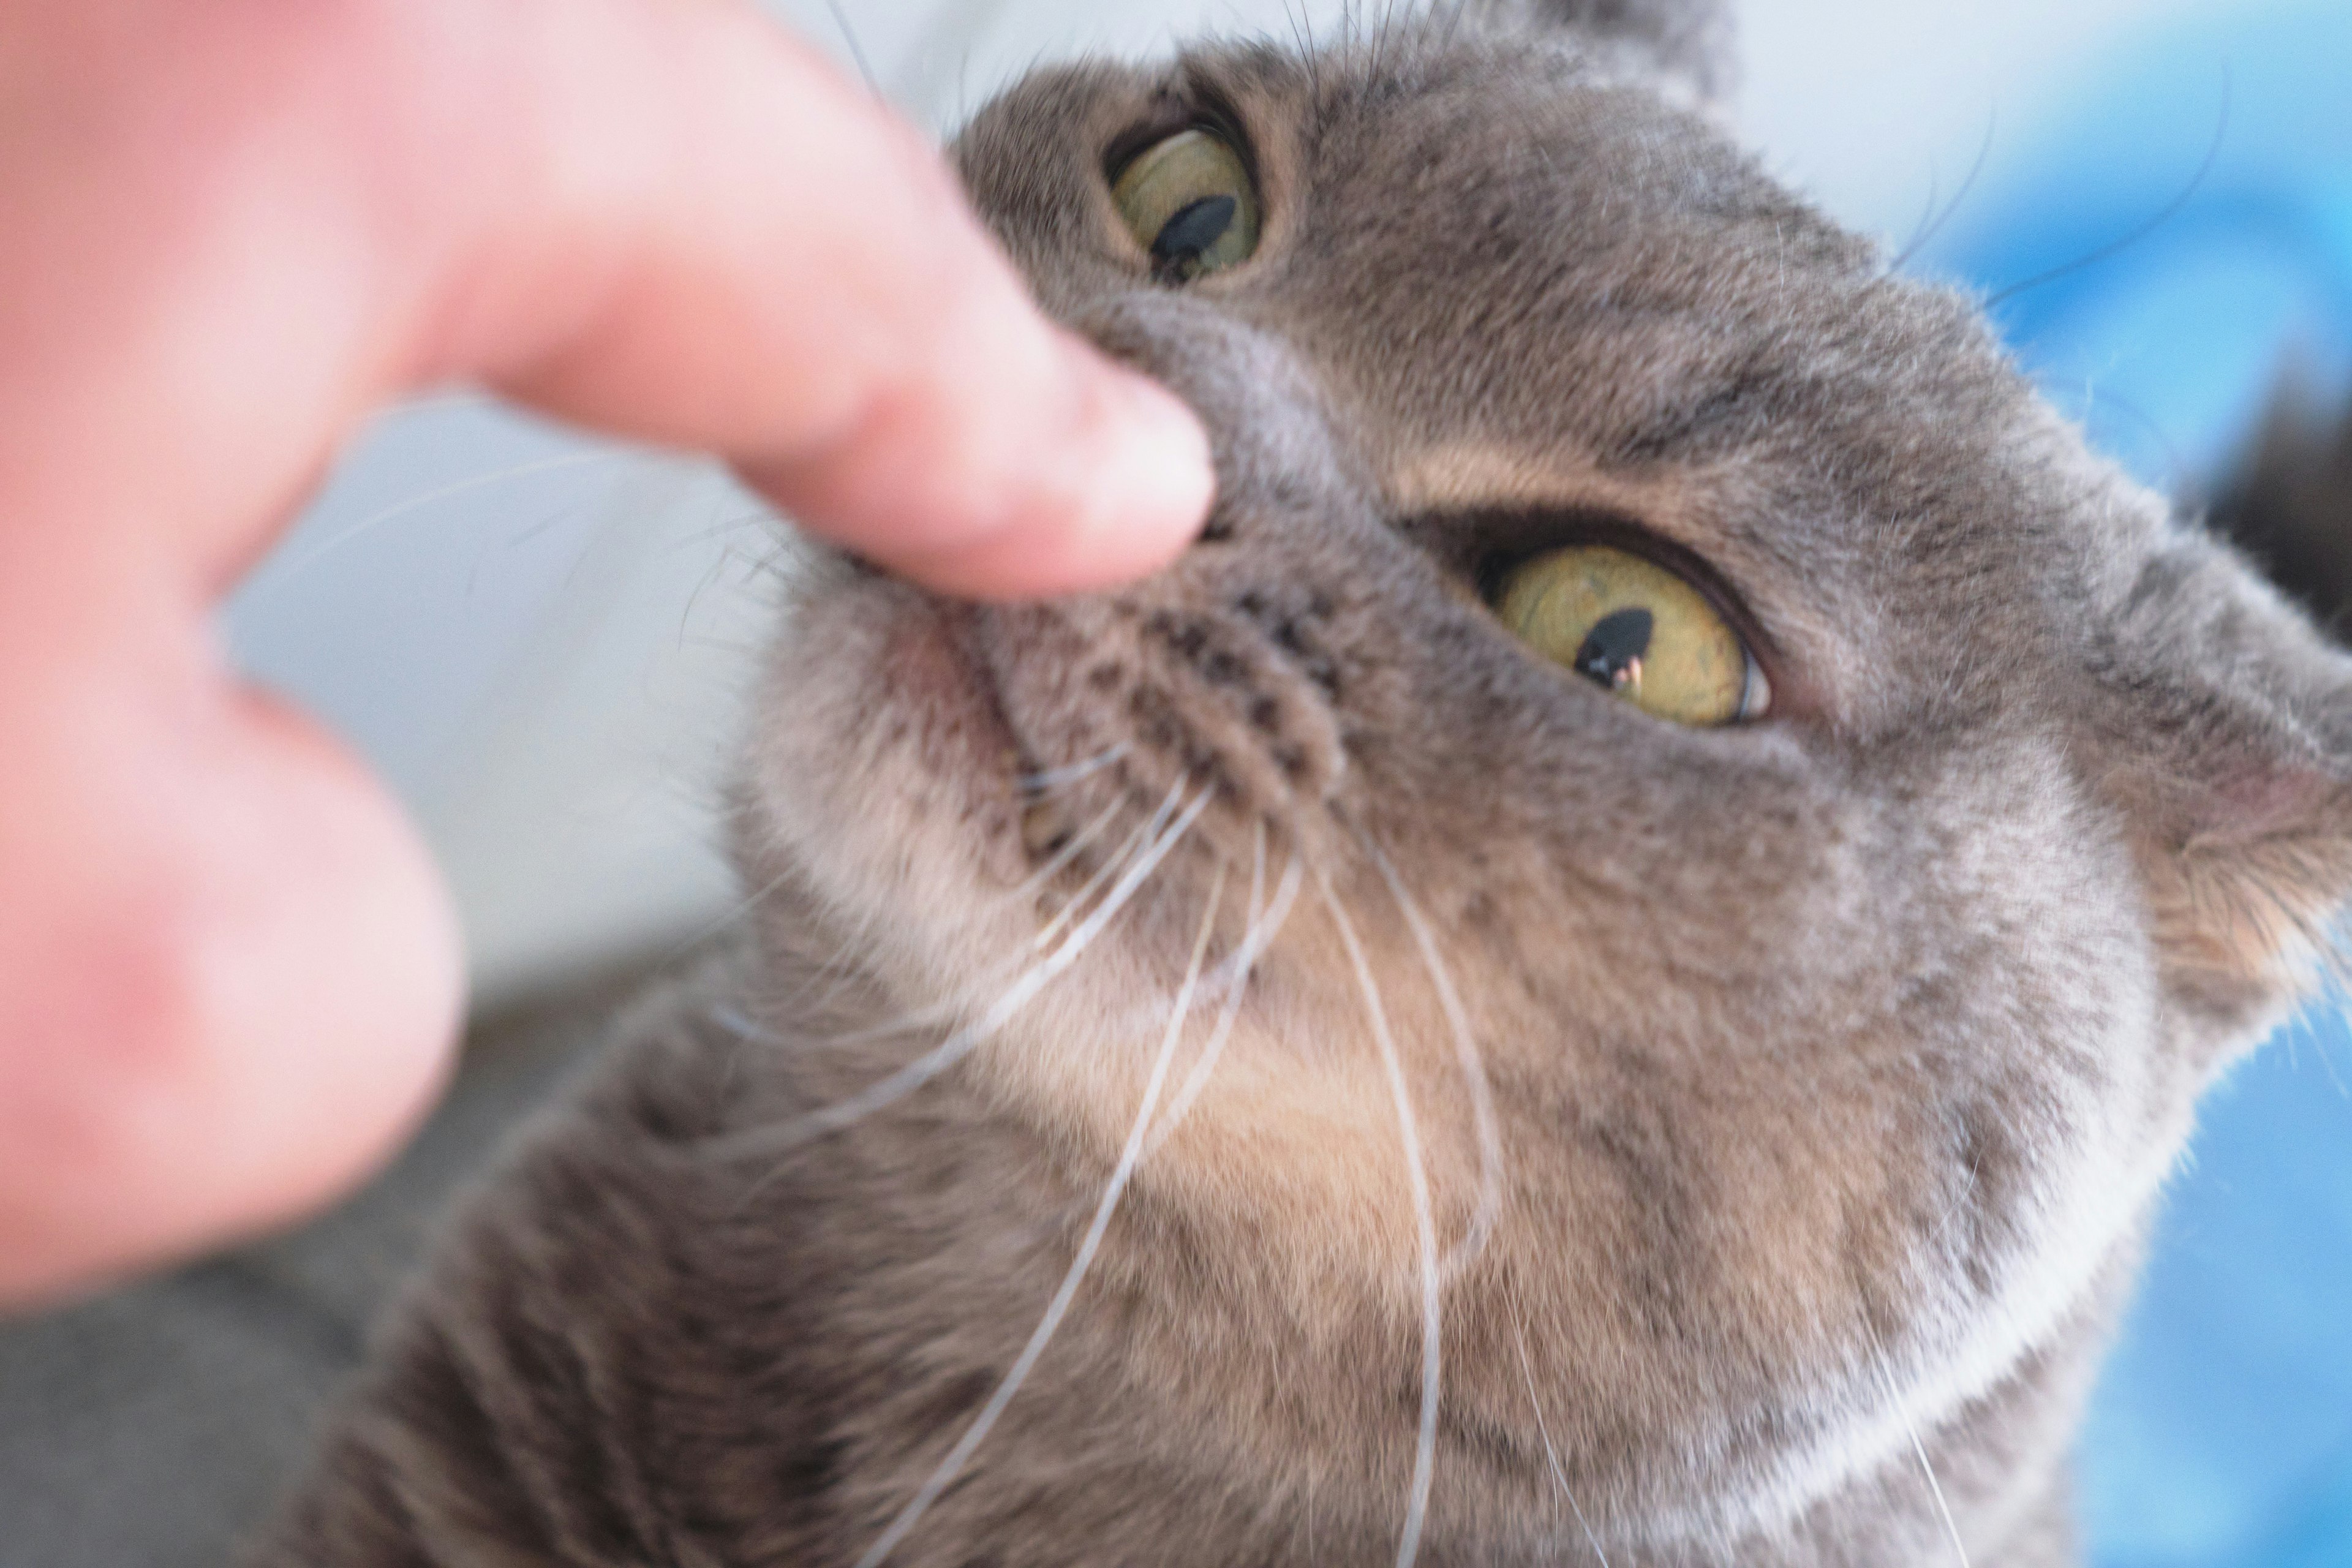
[1473, 1062]
[939, 1012]
[375, 520]
[1551, 1453]
[924, 1017]
[1052, 779]
[1919, 1448]
[2327, 1065]
[1454, 15]
[1425, 1222]
[1254, 942]
[1044, 875]
[735, 912]
[739, 1024]
[1029, 889]
[1931, 223]
[743, 1026]
[906, 1023]
[1237, 983]
[856, 51]
[1133, 845]
[963, 1042]
[1130, 1155]
[2171, 209]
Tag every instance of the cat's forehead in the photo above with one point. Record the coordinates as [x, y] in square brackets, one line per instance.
[1483, 206]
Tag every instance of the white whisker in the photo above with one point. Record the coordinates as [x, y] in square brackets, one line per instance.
[964, 1041]
[1559, 1475]
[906, 1023]
[1425, 1220]
[1918, 1448]
[1129, 1156]
[1068, 852]
[1259, 936]
[1054, 778]
[740, 908]
[1119, 858]
[743, 1026]
[737, 1024]
[373, 521]
[1474, 1072]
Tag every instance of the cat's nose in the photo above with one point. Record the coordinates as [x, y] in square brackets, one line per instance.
[1234, 666]
[1264, 408]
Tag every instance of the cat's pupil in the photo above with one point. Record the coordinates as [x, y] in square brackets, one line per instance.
[1611, 651]
[1195, 228]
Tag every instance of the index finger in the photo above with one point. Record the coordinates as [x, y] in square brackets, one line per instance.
[665, 218]
[752, 256]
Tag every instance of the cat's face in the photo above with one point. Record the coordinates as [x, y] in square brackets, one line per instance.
[1823, 1058]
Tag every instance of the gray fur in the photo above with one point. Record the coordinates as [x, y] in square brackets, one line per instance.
[1835, 1059]
[1688, 41]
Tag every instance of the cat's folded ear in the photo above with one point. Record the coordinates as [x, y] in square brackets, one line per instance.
[2226, 737]
[1686, 40]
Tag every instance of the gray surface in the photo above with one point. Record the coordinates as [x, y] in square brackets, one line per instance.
[155, 1425]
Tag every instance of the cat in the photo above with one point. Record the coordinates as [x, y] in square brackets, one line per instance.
[1606, 972]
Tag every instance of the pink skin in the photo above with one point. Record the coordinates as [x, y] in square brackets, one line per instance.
[228, 974]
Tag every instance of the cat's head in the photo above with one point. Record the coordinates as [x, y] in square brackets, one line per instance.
[1791, 828]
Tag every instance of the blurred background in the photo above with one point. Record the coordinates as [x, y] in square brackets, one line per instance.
[542, 640]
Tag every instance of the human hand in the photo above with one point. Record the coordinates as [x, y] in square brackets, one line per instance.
[228, 976]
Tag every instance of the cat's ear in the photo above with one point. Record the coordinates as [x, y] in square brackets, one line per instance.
[2226, 737]
[1688, 41]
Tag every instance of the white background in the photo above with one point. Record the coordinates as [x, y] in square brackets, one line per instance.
[540, 640]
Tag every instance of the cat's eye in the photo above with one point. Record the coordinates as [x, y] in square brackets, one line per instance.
[1189, 201]
[1628, 623]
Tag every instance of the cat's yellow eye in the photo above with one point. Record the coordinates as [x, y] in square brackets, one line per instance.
[1189, 201]
[1631, 626]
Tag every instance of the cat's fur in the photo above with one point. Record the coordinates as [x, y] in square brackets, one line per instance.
[1835, 1060]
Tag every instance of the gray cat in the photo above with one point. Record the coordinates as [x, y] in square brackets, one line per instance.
[1606, 972]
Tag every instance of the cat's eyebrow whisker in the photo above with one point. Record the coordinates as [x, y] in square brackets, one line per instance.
[1051, 779]
[1483, 1124]
[1130, 1155]
[2171, 210]
[1425, 1222]
[1911, 1429]
[1257, 938]
[1559, 1474]
[964, 1041]
[1932, 222]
